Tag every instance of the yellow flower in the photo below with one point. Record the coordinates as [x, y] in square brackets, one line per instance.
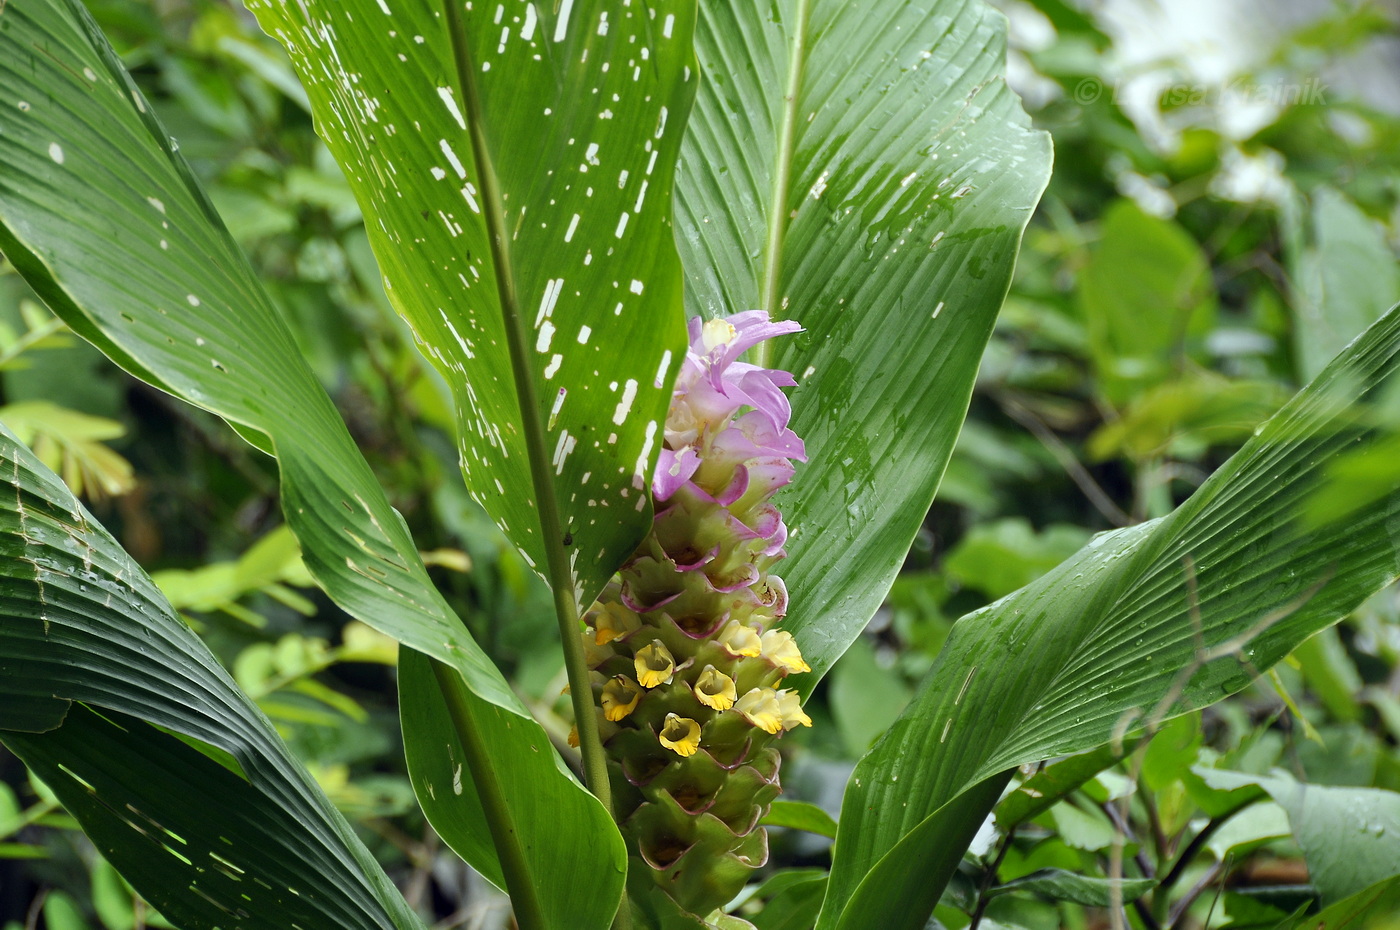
[790, 706]
[760, 707]
[716, 333]
[655, 664]
[740, 640]
[781, 649]
[681, 735]
[620, 697]
[573, 737]
[612, 622]
[715, 689]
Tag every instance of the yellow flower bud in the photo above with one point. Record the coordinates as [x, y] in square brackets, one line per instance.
[760, 708]
[655, 664]
[620, 697]
[781, 649]
[715, 689]
[681, 735]
[740, 640]
[790, 706]
[612, 622]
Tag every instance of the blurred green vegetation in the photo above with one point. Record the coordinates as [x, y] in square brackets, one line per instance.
[1177, 285]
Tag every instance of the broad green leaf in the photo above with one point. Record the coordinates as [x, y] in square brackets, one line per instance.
[864, 698]
[1145, 292]
[518, 201]
[62, 913]
[1043, 790]
[268, 563]
[1110, 639]
[1174, 748]
[792, 906]
[1089, 830]
[917, 867]
[1330, 674]
[1350, 837]
[72, 444]
[863, 169]
[1060, 885]
[999, 556]
[100, 213]
[1357, 479]
[438, 778]
[1185, 417]
[81, 623]
[1346, 275]
[1257, 824]
[800, 815]
[546, 288]
[1372, 909]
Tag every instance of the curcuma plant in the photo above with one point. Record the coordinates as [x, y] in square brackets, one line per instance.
[831, 190]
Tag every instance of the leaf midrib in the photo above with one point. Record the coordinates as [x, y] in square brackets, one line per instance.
[781, 190]
[547, 503]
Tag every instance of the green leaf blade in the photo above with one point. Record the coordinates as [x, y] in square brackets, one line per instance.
[83, 623]
[578, 119]
[1109, 640]
[1350, 837]
[119, 240]
[800, 815]
[884, 216]
[1060, 885]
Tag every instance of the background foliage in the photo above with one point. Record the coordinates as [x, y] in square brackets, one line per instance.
[1258, 243]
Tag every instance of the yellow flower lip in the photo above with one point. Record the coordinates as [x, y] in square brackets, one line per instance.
[761, 708]
[790, 706]
[781, 650]
[715, 689]
[654, 664]
[620, 697]
[681, 735]
[740, 640]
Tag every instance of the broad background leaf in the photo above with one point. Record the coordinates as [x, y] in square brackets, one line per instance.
[1094, 646]
[1373, 908]
[100, 213]
[1146, 294]
[582, 107]
[82, 623]
[882, 211]
[1350, 837]
[1345, 274]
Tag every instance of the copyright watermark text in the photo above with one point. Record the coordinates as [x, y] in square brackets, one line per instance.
[1240, 92]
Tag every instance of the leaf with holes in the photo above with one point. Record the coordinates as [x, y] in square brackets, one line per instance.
[517, 169]
[101, 215]
[863, 169]
[1142, 624]
[179, 779]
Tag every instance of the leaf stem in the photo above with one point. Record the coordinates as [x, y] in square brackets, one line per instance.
[989, 878]
[566, 606]
[523, 894]
[768, 297]
[1198, 842]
